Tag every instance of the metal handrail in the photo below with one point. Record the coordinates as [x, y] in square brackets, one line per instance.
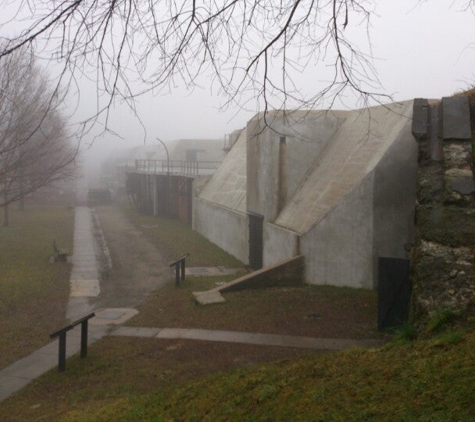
[62, 340]
[183, 167]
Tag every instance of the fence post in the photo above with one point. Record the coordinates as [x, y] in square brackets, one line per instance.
[179, 265]
[183, 269]
[84, 338]
[177, 274]
[62, 340]
[62, 352]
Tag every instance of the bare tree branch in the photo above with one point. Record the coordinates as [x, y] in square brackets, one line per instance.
[35, 148]
[248, 47]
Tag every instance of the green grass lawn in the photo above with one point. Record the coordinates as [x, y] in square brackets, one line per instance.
[315, 311]
[130, 379]
[175, 238]
[426, 381]
[33, 292]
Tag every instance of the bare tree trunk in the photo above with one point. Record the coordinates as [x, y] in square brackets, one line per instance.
[21, 204]
[6, 212]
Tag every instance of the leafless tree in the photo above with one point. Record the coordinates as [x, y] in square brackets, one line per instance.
[251, 48]
[35, 149]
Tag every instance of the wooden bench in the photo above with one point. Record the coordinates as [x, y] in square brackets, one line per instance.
[60, 255]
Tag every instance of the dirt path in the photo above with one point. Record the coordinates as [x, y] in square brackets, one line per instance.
[138, 267]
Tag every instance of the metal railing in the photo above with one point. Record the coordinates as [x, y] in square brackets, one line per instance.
[62, 340]
[179, 265]
[177, 167]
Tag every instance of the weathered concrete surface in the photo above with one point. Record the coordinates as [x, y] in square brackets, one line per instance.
[420, 119]
[355, 150]
[435, 138]
[113, 316]
[339, 249]
[228, 186]
[336, 186]
[224, 227]
[209, 297]
[307, 135]
[394, 194]
[286, 273]
[456, 118]
[261, 339]
[84, 278]
[280, 244]
[358, 202]
[222, 203]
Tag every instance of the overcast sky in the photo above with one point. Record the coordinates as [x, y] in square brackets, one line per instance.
[420, 49]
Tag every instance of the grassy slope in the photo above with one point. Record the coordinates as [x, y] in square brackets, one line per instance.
[131, 379]
[432, 380]
[176, 238]
[33, 292]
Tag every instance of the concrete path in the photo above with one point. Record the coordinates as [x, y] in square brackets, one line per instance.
[84, 284]
[246, 338]
[18, 375]
[84, 279]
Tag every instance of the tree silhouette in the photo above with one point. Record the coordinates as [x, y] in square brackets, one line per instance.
[35, 148]
[249, 48]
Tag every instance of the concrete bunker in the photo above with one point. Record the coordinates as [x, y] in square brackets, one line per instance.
[338, 187]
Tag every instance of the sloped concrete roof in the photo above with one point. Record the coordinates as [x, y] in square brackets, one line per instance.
[227, 187]
[353, 153]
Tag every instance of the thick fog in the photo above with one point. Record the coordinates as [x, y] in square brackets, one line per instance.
[419, 49]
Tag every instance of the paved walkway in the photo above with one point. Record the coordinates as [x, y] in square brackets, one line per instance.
[246, 338]
[18, 375]
[84, 279]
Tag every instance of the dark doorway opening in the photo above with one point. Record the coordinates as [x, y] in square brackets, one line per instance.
[256, 244]
[394, 292]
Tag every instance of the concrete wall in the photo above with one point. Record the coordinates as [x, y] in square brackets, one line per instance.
[279, 244]
[376, 219]
[306, 135]
[338, 250]
[353, 153]
[228, 185]
[224, 227]
[338, 188]
[285, 273]
[394, 198]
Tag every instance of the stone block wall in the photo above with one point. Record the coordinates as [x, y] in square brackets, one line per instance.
[443, 257]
